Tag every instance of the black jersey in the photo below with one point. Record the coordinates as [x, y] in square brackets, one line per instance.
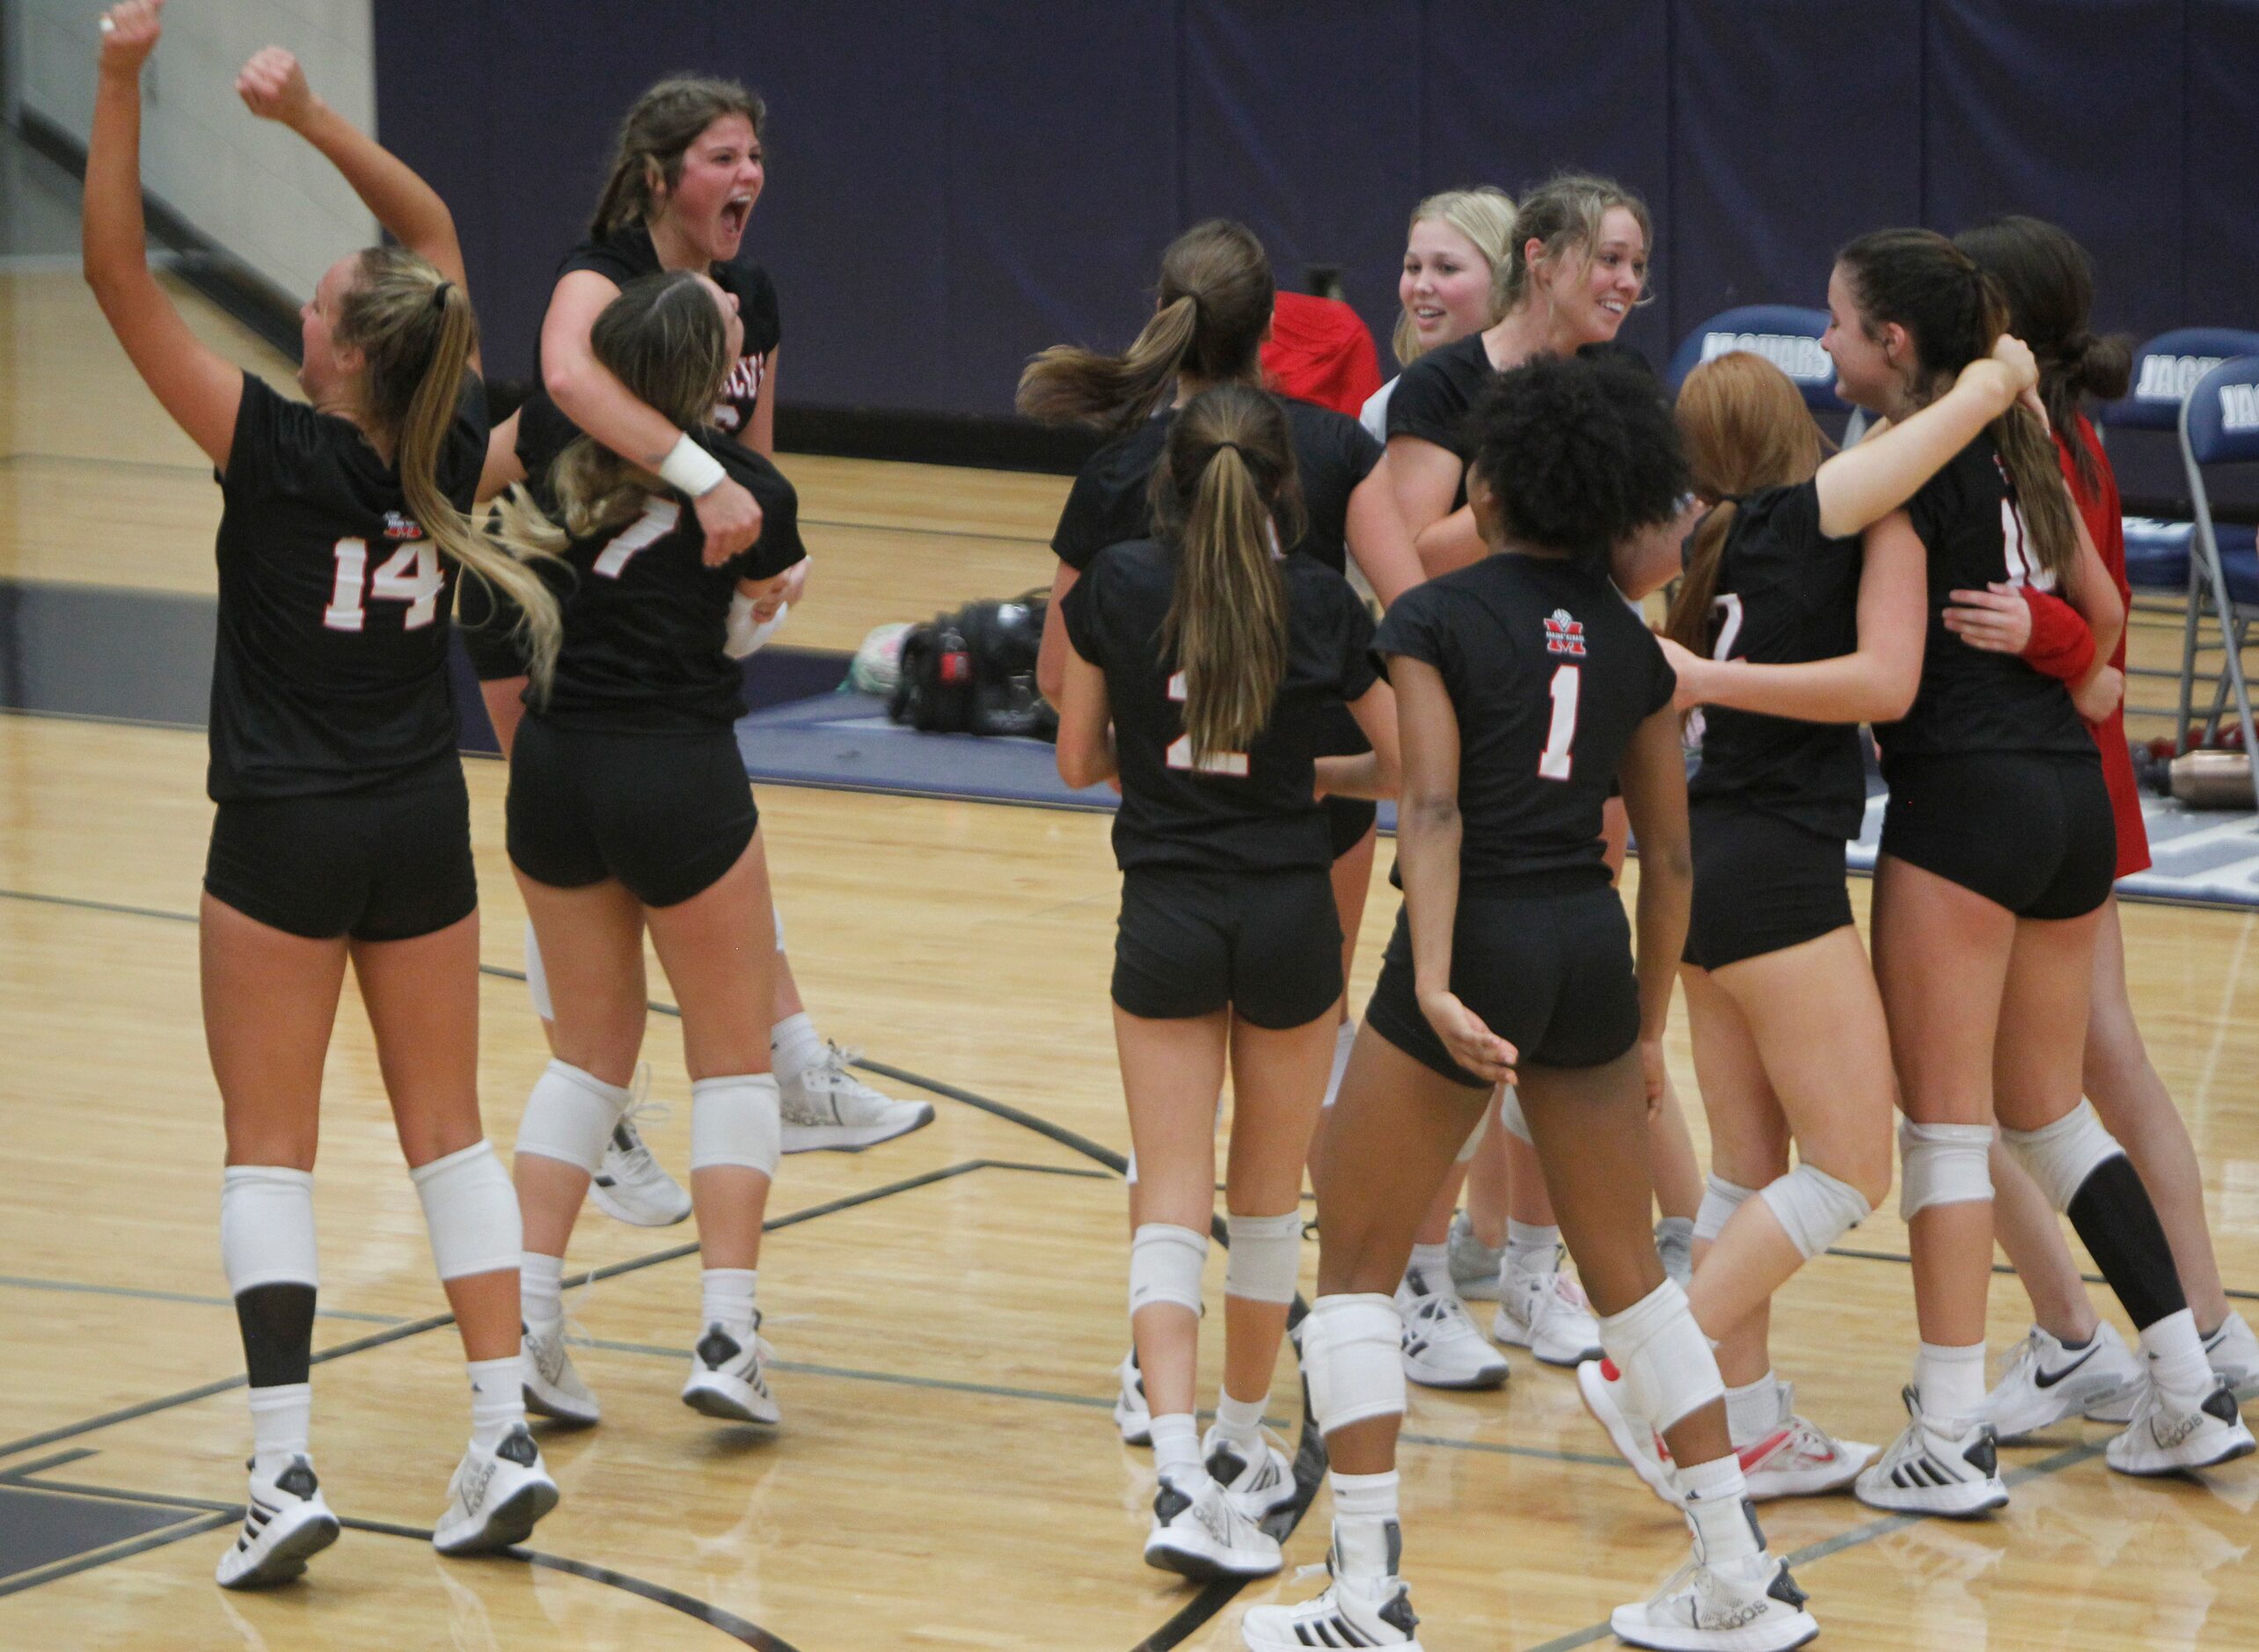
[646, 619]
[1787, 594]
[1972, 699]
[1437, 393]
[1110, 503]
[1549, 673]
[1250, 810]
[331, 670]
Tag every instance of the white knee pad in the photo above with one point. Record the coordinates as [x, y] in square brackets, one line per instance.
[1353, 1360]
[1667, 1367]
[734, 1121]
[1943, 1164]
[1721, 1199]
[1166, 1263]
[1814, 1209]
[1466, 1152]
[1510, 1114]
[471, 1211]
[267, 1226]
[2062, 1155]
[1265, 1257]
[778, 918]
[569, 1115]
[536, 976]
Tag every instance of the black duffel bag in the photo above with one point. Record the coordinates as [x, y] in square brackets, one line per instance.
[973, 672]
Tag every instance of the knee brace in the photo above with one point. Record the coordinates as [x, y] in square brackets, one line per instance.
[536, 976]
[267, 1227]
[1465, 1155]
[1721, 1199]
[471, 1211]
[1165, 1266]
[1353, 1360]
[735, 1121]
[1942, 1164]
[2061, 1156]
[569, 1115]
[1669, 1369]
[1510, 1114]
[1813, 1208]
[1265, 1257]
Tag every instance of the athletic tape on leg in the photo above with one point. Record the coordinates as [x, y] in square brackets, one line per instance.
[1721, 1199]
[1353, 1360]
[1814, 1209]
[1468, 1148]
[569, 1115]
[734, 1121]
[536, 976]
[267, 1226]
[471, 1211]
[1943, 1164]
[1669, 1369]
[1165, 1266]
[780, 920]
[2061, 1156]
[1265, 1257]
[1510, 1114]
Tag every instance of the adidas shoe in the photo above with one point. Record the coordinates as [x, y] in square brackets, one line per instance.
[1747, 1606]
[1548, 1315]
[2045, 1382]
[1441, 1347]
[552, 1387]
[1202, 1534]
[1367, 1611]
[1928, 1470]
[284, 1520]
[828, 1107]
[629, 1185]
[1258, 1482]
[496, 1497]
[726, 1379]
[1601, 1386]
[1474, 1265]
[2233, 1352]
[1129, 1413]
[1800, 1458]
[2166, 1440]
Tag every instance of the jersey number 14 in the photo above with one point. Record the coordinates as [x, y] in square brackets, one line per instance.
[410, 575]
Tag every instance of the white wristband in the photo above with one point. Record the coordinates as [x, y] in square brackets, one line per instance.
[691, 468]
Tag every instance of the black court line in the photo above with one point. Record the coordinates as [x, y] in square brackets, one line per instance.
[187, 1528]
[18, 1281]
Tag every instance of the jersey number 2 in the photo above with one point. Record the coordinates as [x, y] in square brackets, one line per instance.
[410, 574]
[1179, 755]
[1556, 760]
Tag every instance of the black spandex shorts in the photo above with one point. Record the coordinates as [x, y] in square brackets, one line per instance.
[1761, 884]
[667, 814]
[1266, 943]
[1548, 967]
[2028, 830]
[387, 865]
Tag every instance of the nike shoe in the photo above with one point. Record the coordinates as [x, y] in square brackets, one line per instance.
[1130, 1412]
[2233, 1352]
[1200, 1533]
[2165, 1439]
[552, 1387]
[496, 1497]
[1930, 1471]
[1548, 1315]
[284, 1520]
[2045, 1382]
[727, 1377]
[829, 1109]
[1441, 1347]
[629, 1185]
[1258, 1482]
[1746, 1605]
[1360, 1612]
[1474, 1265]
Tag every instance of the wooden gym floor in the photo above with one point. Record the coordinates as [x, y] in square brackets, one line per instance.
[947, 1307]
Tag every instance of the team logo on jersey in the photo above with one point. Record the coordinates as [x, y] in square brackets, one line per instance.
[1564, 635]
[399, 527]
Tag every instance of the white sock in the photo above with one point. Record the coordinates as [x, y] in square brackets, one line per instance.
[726, 1298]
[1532, 1249]
[1344, 1039]
[497, 1399]
[1435, 1260]
[1176, 1449]
[541, 1289]
[1950, 1381]
[1364, 1507]
[2176, 1359]
[280, 1417]
[795, 1046]
[1239, 1421]
[1717, 1505]
[1753, 1411]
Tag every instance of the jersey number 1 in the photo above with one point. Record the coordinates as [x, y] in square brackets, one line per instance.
[1555, 760]
[410, 574]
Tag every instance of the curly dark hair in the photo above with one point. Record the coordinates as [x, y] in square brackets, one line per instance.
[1580, 453]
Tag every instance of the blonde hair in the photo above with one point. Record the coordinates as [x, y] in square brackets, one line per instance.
[1563, 215]
[660, 128]
[1485, 216]
[416, 334]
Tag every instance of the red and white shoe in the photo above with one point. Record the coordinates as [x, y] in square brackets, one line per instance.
[1602, 1387]
[1796, 1459]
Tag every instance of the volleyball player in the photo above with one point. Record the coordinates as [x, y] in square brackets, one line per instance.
[1793, 632]
[343, 828]
[1996, 859]
[628, 810]
[1525, 687]
[1216, 660]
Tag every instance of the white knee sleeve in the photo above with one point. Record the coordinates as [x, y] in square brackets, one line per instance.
[1814, 1209]
[536, 976]
[1353, 1360]
[1667, 1367]
[569, 1115]
[1466, 1152]
[471, 1211]
[267, 1226]
[1721, 1199]
[1165, 1266]
[1510, 1114]
[1265, 1257]
[2062, 1155]
[1942, 1164]
[734, 1121]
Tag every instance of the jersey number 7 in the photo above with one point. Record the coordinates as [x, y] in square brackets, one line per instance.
[410, 575]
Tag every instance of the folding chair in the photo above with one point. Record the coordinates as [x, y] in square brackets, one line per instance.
[2219, 425]
[1783, 334]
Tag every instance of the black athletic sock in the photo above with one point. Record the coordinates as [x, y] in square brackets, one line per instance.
[278, 1332]
[2113, 1213]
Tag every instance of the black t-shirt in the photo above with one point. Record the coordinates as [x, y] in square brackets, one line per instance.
[1786, 595]
[1435, 395]
[646, 619]
[1249, 811]
[331, 670]
[1972, 699]
[1549, 673]
[1109, 502]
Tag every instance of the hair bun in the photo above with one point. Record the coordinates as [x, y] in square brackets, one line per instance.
[2102, 366]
